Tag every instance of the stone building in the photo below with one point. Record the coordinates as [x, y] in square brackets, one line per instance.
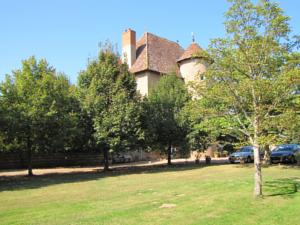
[151, 57]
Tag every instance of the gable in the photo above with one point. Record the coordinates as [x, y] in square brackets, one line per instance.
[156, 54]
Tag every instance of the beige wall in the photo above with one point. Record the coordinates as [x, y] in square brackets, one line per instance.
[146, 81]
[191, 70]
[153, 79]
[142, 83]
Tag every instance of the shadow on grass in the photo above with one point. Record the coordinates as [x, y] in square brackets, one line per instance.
[20, 182]
[281, 166]
[282, 187]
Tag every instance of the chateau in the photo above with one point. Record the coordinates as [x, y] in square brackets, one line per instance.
[151, 57]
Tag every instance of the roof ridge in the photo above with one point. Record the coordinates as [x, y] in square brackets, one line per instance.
[147, 57]
[173, 42]
[194, 43]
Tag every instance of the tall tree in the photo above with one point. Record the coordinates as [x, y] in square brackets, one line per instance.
[252, 77]
[162, 111]
[108, 94]
[38, 107]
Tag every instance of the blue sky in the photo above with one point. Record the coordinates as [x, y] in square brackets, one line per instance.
[67, 32]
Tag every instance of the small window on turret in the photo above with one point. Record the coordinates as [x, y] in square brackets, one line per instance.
[202, 77]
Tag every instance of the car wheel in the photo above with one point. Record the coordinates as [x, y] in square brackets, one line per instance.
[293, 160]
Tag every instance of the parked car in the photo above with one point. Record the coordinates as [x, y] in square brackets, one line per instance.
[285, 153]
[245, 154]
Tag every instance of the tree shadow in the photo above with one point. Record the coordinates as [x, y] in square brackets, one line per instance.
[21, 182]
[287, 187]
[243, 165]
[289, 166]
[281, 166]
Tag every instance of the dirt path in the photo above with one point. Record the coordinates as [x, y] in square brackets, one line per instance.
[66, 170]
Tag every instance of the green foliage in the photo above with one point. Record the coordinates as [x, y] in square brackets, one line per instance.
[163, 107]
[204, 127]
[250, 84]
[38, 107]
[108, 95]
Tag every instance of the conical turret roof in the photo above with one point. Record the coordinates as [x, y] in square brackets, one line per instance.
[192, 51]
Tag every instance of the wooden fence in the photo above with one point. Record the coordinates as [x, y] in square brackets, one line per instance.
[19, 160]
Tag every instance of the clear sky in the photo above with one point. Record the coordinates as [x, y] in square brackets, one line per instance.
[67, 32]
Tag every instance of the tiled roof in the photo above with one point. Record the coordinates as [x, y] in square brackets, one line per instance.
[156, 54]
[190, 52]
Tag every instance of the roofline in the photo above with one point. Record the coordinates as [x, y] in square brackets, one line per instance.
[154, 71]
[140, 71]
[193, 57]
[146, 33]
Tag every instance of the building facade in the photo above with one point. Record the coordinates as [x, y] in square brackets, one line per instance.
[152, 57]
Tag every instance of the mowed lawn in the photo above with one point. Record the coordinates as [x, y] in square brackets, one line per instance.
[219, 194]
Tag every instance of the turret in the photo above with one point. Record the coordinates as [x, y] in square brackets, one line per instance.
[192, 66]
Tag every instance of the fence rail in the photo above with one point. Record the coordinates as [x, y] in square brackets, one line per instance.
[19, 160]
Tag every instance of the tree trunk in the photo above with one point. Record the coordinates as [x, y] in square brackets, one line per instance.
[29, 154]
[169, 153]
[257, 161]
[105, 155]
[257, 176]
[267, 154]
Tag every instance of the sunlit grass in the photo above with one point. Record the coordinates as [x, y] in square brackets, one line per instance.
[202, 195]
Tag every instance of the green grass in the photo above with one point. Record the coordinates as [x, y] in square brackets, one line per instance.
[220, 194]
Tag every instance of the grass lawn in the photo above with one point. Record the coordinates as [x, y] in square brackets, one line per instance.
[219, 194]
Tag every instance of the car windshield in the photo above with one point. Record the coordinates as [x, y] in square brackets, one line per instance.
[246, 149]
[283, 149]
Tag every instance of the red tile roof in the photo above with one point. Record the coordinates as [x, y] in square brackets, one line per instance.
[190, 52]
[156, 54]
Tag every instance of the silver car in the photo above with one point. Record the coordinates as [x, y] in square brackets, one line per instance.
[245, 154]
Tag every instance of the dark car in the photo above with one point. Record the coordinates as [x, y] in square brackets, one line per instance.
[285, 153]
[245, 154]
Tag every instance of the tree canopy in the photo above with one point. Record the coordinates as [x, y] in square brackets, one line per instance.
[108, 94]
[38, 105]
[253, 75]
[162, 111]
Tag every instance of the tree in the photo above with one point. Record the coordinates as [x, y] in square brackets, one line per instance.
[38, 106]
[162, 110]
[252, 78]
[8, 142]
[202, 131]
[108, 94]
[2, 125]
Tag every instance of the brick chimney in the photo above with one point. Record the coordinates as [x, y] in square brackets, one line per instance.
[128, 47]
